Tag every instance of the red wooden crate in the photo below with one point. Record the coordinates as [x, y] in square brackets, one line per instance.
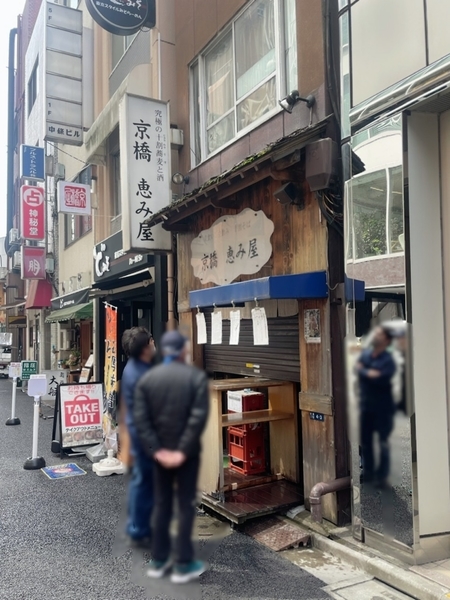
[247, 448]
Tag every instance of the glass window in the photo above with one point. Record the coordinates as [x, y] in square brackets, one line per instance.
[196, 114]
[255, 47]
[219, 93]
[239, 78]
[369, 194]
[290, 44]
[33, 87]
[395, 223]
[119, 45]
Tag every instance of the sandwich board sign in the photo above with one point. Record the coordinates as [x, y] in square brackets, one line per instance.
[80, 408]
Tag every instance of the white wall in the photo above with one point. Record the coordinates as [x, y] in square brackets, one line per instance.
[388, 44]
[428, 327]
[34, 123]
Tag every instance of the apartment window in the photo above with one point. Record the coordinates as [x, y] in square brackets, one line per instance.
[119, 45]
[240, 77]
[78, 225]
[32, 91]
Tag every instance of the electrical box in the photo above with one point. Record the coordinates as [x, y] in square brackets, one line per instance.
[17, 260]
[176, 139]
[50, 265]
[321, 164]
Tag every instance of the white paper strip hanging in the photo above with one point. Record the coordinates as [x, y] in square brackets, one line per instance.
[201, 328]
[216, 328]
[235, 327]
[260, 327]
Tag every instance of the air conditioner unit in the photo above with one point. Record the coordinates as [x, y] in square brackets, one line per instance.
[13, 236]
[17, 260]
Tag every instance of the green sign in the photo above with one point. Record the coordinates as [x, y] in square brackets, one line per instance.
[29, 367]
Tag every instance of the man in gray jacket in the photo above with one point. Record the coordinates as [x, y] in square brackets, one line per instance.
[170, 411]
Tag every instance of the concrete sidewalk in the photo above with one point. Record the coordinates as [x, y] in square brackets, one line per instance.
[426, 582]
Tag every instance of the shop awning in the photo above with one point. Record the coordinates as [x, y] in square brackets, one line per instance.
[282, 287]
[39, 294]
[82, 311]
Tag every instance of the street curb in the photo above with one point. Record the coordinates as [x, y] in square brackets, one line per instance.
[403, 580]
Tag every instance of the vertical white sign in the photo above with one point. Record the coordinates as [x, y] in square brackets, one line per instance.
[216, 328]
[144, 171]
[201, 328]
[235, 327]
[260, 327]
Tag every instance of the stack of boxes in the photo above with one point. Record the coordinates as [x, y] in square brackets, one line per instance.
[246, 442]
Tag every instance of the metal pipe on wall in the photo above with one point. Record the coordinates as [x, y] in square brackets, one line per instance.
[323, 488]
[11, 115]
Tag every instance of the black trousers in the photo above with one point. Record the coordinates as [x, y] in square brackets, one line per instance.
[185, 478]
[382, 423]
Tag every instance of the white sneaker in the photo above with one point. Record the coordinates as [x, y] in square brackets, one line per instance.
[157, 569]
[189, 572]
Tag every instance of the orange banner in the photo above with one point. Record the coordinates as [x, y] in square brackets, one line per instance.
[110, 419]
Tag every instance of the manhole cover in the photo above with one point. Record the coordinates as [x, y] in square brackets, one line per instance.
[277, 534]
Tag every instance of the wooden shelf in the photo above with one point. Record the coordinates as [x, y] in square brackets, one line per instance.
[255, 416]
[224, 385]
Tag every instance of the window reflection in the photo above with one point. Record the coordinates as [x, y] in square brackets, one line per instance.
[369, 214]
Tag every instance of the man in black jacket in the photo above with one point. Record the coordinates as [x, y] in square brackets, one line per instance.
[170, 411]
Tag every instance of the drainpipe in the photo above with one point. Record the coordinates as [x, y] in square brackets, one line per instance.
[323, 488]
[11, 115]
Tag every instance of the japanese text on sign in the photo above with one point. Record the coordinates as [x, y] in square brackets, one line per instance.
[145, 171]
[234, 245]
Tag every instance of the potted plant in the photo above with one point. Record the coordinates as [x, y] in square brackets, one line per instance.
[74, 359]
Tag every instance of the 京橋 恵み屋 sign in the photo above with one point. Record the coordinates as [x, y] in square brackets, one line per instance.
[122, 17]
[234, 245]
[145, 171]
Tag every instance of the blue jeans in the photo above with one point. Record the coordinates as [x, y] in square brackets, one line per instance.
[140, 495]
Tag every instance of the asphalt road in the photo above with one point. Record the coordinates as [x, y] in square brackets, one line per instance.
[59, 540]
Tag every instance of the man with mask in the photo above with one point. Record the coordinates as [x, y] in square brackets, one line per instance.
[170, 413]
[376, 368]
[139, 347]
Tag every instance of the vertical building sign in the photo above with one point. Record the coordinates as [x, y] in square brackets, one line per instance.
[145, 171]
[109, 416]
[32, 213]
[64, 75]
[32, 163]
[33, 263]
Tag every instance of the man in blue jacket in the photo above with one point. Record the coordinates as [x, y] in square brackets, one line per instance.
[139, 346]
[376, 368]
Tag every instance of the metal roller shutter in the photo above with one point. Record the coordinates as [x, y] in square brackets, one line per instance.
[279, 360]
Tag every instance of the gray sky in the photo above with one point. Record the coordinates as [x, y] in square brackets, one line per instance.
[10, 10]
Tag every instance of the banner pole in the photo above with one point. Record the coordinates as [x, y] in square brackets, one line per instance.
[13, 420]
[35, 462]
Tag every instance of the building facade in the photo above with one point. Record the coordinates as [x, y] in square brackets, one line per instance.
[394, 126]
[245, 216]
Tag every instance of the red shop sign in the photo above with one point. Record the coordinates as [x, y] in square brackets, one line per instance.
[32, 210]
[33, 263]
